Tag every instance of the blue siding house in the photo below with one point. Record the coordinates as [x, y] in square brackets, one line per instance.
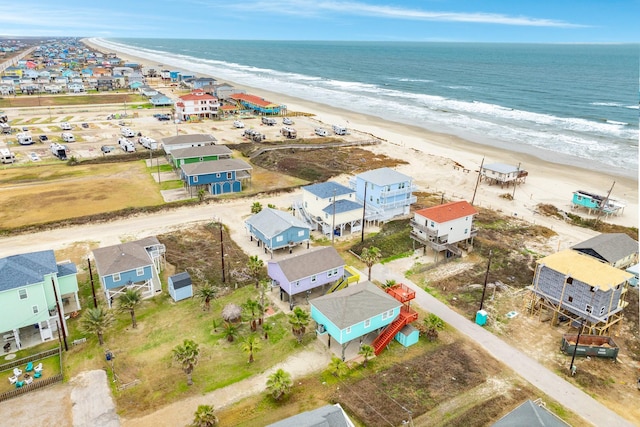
[354, 312]
[275, 229]
[388, 193]
[218, 177]
[130, 265]
[306, 271]
[180, 286]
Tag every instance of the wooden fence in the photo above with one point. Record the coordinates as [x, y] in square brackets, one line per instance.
[37, 384]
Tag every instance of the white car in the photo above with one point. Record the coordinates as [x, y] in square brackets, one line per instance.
[287, 121]
[65, 126]
[34, 157]
[238, 124]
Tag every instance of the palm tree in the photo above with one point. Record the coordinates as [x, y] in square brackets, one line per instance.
[337, 367]
[201, 194]
[266, 328]
[187, 354]
[96, 321]
[129, 301]
[389, 284]
[370, 256]
[255, 266]
[279, 383]
[251, 306]
[230, 331]
[264, 287]
[204, 417]
[256, 207]
[298, 319]
[433, 324]
[206, 293]
[251, 344]
[366, 351]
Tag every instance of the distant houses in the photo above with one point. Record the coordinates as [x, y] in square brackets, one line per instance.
[596, 203]
[503, 174]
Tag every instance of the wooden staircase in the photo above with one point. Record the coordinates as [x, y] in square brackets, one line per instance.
[340, 284]
[404, 294]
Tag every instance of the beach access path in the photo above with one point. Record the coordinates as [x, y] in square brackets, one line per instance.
[546, 381]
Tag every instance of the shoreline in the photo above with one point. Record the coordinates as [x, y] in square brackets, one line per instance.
[432, 154]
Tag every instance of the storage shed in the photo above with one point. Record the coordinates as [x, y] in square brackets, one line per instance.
[180, 286]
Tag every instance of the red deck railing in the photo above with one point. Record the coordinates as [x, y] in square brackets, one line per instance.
[401, 292]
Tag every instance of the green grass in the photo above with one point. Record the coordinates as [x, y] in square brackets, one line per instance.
[171, 185]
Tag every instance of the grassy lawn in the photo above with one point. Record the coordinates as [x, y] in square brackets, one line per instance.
[58, 100]
[145, 353]
[50, 366]
[52, 192]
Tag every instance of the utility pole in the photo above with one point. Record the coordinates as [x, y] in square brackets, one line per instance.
[222, 251]
[364, 211]
[64, 333]
[604, 204]
[515, 183]
[93, 289]
[477, 181]
[575, 349]
[333, 223]
[486, 276]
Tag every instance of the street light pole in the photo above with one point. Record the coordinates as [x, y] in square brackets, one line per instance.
[486, 276]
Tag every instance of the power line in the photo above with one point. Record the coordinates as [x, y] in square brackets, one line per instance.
[367, 403]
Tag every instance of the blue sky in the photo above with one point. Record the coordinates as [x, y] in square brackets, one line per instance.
[568, 21]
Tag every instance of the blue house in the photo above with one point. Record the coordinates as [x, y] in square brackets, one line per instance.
[131, 265]
[388, 193]
[353, 313]
[180, 286]
[201, 82]
[275, 229]
[218, 177]
[161, 100]
[306, 271]
[595, 203]
[329, 206]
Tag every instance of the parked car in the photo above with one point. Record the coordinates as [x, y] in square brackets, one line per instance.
[107, 149]
[34, 157]
[164, 117]
[65, 126]
[287, 121]
[25, 129]
[43, 138]
[238, 124]
[85, 125]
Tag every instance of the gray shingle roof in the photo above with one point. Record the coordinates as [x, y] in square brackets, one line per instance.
[123, 257]
[215, 166]
[324, 190]
[325, 416]
[608, 247]
[195, 138]
[354, 304]
[384, 176]
[313, 261]
[205, 150]
[181, 280]
[343, 206]
[17, 271]
[528, 414]
[272, 222]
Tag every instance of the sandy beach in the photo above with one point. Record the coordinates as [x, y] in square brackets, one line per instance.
[447, 164]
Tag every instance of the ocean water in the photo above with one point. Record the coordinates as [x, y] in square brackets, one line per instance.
[567, 103]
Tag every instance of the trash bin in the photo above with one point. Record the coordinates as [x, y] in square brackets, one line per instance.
[481, 317]
[108, 355]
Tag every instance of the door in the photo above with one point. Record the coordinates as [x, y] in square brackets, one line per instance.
[45, 331]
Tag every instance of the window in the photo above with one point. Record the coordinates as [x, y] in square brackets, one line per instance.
[433, 224]
[217, 175]
[116, 277]
[570, 299]
[201, 159]
[139, 271]
[367, 323]
[300, 233]
[602, 311]
[195, 178]
[22, 293]
[348, 330]
[296, 284]
[569, 280]
[35, 309]
[589, 309]
[229, 175]
[466, 230]
[279, 239]
[314, 279]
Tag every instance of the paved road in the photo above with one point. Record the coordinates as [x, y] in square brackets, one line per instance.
[554, 386]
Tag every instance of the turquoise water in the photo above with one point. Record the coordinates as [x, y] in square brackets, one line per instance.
[574, 104]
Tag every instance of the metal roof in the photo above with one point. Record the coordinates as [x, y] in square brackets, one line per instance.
[585, 269]
[355, 304]
[272, 222]
[313, 261]
[384, 176]
[325, 190]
